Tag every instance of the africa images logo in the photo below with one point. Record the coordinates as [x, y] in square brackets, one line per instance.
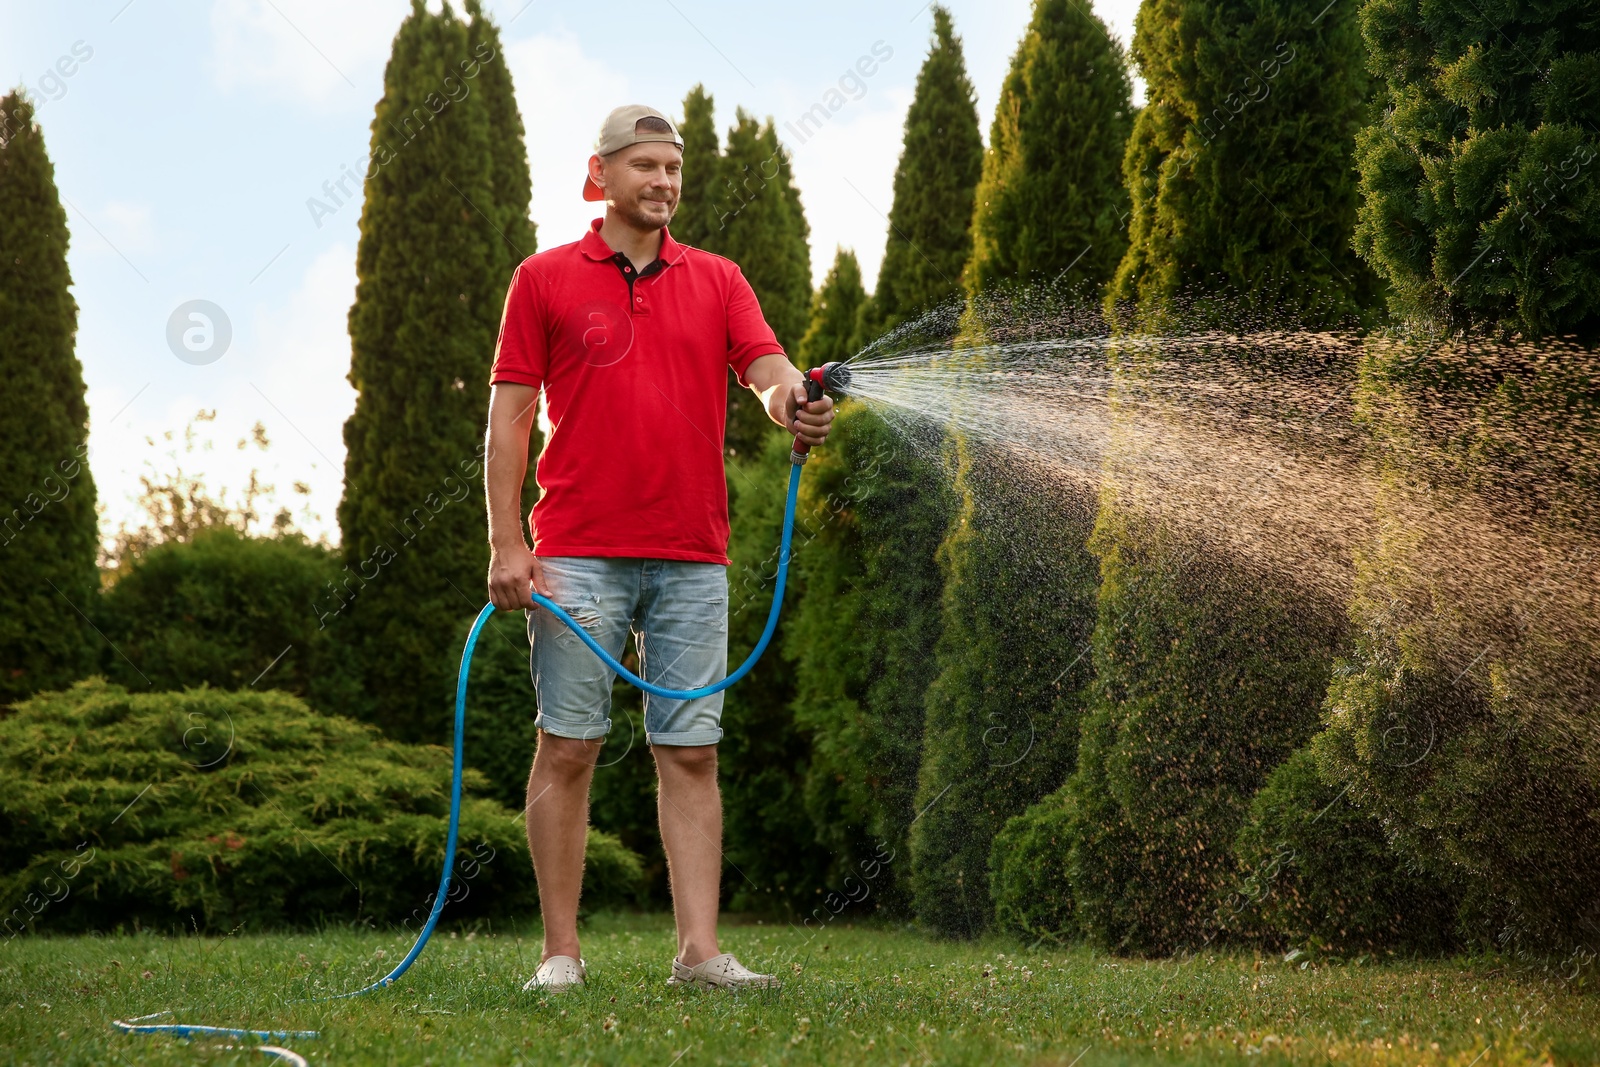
[606, 332]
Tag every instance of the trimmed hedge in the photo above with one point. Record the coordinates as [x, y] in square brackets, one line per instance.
[206, 810]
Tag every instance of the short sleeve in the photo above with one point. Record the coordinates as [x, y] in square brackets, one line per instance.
[522, 352]
[749, 336]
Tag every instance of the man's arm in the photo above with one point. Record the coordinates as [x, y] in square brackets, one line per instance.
[782, 390]
[512, 565]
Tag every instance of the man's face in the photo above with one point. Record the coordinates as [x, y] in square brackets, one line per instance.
[642, 182]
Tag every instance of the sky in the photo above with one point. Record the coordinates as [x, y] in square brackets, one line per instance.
[189, 138]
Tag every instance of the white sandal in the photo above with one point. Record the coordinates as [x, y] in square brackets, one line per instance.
[721, 972]
[556, 975]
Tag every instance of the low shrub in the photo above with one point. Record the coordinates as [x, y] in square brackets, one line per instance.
[209, 809]
[226, 610]
[1318, 872]
[1028, 871]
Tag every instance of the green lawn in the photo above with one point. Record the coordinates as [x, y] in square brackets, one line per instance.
[852, 994]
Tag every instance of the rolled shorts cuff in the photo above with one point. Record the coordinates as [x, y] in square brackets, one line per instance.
[585, 731]
[685, 738]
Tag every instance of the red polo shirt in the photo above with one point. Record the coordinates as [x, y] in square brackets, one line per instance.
[635, 389]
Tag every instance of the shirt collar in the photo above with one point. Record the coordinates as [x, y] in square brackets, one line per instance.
[594, 246]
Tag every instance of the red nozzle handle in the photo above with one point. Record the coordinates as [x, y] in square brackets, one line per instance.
[813, 393]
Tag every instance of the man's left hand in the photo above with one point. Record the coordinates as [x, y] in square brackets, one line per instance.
[810, 421]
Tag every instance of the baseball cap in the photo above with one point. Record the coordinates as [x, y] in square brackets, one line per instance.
[621, 130]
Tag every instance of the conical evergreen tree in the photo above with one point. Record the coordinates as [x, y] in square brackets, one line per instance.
[861, 636]
[1241, 188]
[1051, 206]
[1002, 712]
[763, 229]
[431, 270]
[512, 181]
[696, 220]
[1481, 193]
[769, 841]
[48, 537]
[865, 629]
[1207, 675]
[513, 184]
[1239, 166]
[834, 310]
[930, 224]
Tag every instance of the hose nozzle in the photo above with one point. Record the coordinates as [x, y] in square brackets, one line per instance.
[831, 377]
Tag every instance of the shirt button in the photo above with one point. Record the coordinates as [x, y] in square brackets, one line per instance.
[638, 300]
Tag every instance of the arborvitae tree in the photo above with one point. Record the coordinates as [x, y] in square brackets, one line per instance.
[833, 635]
[1002, 711]
[861, 637]
[1470, 737]
[930, 224]
[513, 184]
[762, 227]
[1239, 165]
[1209, 672]
[834, 310]
[696, 220]
[1051, 206]
[512, 181]
[48, 535]
[432, 269]
[1481, 197]
[1207, 676]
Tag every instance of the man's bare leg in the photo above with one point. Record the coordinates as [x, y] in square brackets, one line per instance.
[691, 833]
[558, 828]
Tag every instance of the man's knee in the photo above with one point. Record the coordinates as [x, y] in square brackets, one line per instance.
[567, 757]
[698, 761]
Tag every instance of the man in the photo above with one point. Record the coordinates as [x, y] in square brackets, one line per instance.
[629, 334]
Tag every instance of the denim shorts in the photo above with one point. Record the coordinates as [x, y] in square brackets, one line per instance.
[677, 610]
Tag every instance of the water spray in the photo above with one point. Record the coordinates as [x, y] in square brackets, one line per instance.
[828, 378]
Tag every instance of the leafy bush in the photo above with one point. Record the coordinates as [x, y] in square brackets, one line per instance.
[224, 610]
[209, 809]
[1319, 871]
[1028, 871]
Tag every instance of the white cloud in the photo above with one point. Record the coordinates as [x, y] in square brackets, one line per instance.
[307, 50]
[563, 95]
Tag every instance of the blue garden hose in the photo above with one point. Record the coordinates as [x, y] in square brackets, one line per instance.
[189, 1032]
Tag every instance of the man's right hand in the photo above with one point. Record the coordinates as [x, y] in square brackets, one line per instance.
[512, 571]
